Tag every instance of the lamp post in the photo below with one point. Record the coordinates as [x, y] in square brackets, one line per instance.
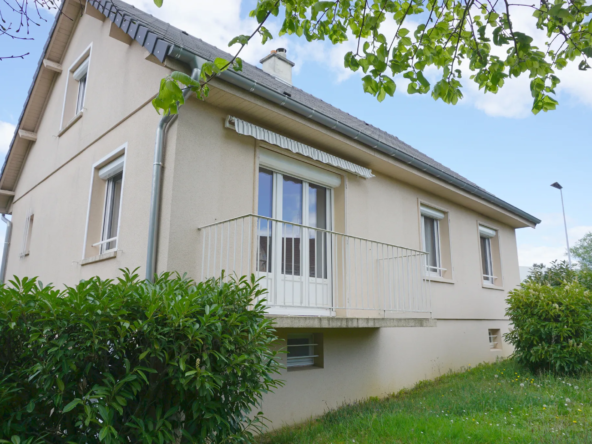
[560, 188]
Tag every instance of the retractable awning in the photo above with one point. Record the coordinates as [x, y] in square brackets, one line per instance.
[248, 129]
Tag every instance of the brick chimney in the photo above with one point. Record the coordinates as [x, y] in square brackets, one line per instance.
[277, 64]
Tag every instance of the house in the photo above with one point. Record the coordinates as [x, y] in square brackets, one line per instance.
[383, 266]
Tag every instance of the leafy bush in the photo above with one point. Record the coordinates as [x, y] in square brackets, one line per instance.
[133, 361]
[552, 326]
[559, 273]
[582, 251]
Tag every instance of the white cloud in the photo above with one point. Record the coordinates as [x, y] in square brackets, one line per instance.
[547, 242]
[541, 254]
[6, 134]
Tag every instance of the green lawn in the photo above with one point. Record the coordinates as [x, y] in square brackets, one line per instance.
[494, 403]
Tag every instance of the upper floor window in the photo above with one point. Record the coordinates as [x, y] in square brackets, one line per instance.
[489, 246]
[80, 76]
[76, 90]
[430, 226]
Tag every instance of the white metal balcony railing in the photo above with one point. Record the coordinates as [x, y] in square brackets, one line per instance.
[314, 271]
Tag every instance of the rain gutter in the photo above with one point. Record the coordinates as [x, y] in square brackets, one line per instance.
[7, 238]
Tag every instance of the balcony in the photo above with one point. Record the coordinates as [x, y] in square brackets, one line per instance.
[313, 272]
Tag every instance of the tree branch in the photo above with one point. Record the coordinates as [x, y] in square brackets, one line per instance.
[400, 24]
[512, 29]
[362, 27]
[460, 27]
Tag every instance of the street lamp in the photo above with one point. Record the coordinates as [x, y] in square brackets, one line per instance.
[560, 188]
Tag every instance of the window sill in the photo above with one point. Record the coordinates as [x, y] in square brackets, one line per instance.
[492, 287]
[99, 258]
[75, 119]
[439, 279]
[304, 367]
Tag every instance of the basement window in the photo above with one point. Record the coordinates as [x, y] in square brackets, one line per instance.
[304, 351]
[495, 339]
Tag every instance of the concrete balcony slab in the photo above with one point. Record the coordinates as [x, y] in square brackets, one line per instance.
[320, 322]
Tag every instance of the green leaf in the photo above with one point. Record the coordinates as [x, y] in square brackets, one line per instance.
[103, 433]
[241, 39]
[422, 80]
[71, 405]
[183, 78]
[381, 94]
[321, 6]
[158, 3]
[220, 63]
[389, 86]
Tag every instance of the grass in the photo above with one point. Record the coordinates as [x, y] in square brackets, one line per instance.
[492, 403]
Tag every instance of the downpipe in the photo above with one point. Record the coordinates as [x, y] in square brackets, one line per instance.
[7, 238]
[195, 63]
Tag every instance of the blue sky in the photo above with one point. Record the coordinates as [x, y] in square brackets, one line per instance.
[492, 140]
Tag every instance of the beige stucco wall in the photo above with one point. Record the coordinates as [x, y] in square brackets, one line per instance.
[56, 178]
[210, 175]
[214, 179]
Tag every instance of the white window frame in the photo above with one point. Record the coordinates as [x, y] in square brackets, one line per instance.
[487, 234]
[28, 231]
[108, 174]
[102, 164]
[494, 339]
[277, 206]
[437, 216]
[302, 361]
[280, 165]
[81, 75]
[82, 61]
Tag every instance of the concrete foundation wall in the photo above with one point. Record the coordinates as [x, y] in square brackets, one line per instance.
[359, 363]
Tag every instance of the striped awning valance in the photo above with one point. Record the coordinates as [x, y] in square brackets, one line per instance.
[248, 129]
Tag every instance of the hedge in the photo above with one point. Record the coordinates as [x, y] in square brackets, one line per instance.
[126, 360]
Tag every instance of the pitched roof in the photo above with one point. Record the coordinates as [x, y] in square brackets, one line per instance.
[158, 37]
[175, 36]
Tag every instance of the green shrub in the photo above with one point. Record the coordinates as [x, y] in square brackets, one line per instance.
[559, 273]
[552, 326]
[131, 361]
